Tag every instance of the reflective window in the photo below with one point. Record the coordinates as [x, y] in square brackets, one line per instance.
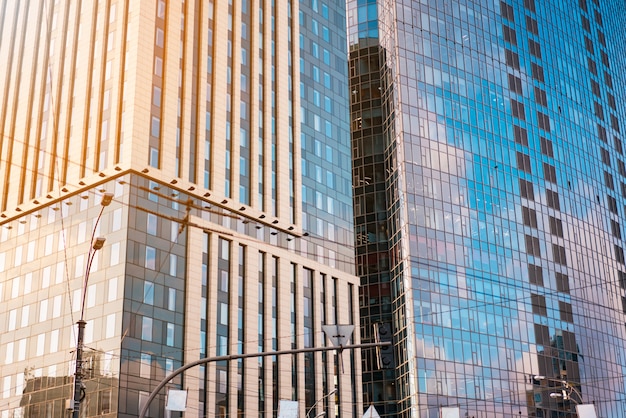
[146, 328]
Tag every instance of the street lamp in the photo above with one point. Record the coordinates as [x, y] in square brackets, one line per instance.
[96, 244]
[564, 394]
[332, 392]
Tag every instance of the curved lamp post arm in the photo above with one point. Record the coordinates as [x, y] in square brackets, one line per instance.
[169, 377]
[567, 385]
[308, 412]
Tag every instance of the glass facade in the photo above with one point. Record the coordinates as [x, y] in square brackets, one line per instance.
[492, 146]
[222, 129]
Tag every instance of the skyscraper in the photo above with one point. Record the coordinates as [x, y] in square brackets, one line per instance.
[221, 128]
[490, 188]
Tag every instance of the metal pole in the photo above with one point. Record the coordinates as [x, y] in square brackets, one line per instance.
[78, 375]
[168, 378]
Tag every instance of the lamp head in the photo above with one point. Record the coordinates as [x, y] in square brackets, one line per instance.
[106, 199]
[98, 243]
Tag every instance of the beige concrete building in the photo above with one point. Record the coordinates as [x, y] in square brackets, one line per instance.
[220, 127]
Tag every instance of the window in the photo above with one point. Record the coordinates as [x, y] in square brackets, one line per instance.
[509, 34]
[537, 72]
[145, 366]
[608, 180]
[530, 5]
[532, 26]
[112, 290]
[549, 172]
[117, 220]
[605, 59]
[566, 311]
[171, 299]
[512, 59]
[595, 88]
[562, 282]
[619, 254]
[598, 17]
[8, 359]
[43, 310]
[148, 292]
[615, 229]
[593, 68]
[532, 246]
[146, 328]
[160, 38]
[589, 45]
[173, 265]
[543, 121]
[155, 129]
[170, 335]
[12, 319]
[614, 123]
[156, 96]
[535, 275]
[601, 133]
[529, 216]
[608, 80]
[517, 108]
[535, 48]
[515, 84]
[523, 162]
[104, 402]
[158, 67]
[150, 262]
[558, 254]
[541, 97]
[542, 335]
[91, 296]
[546, 147]
[598, 110]
[151, 224]
[41, 343]
[586, 24]
[611, 101]
[612, 204]
[526, 189]
[25, 316]
[161, 9]
[539, 304]
[109, 331]
[54, 341]
[556, 227]
[552, 199]
[506, 11]
[143, 398]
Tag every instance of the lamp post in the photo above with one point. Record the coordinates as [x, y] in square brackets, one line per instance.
[332, 392]
[95, 245]
[566, 391]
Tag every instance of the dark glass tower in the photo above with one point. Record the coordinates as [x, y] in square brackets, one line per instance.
[490, 186]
